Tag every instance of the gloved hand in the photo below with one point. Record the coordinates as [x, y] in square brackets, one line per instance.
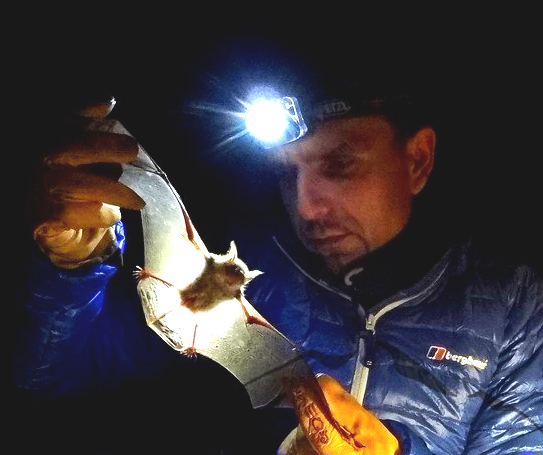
[363, 432]
[75, 198]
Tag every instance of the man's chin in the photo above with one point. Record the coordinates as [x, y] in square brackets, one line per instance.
[336, 252]
[341, 262]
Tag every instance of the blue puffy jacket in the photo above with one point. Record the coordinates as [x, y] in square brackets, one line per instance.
[453, 364]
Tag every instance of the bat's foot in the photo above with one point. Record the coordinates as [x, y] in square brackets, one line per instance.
[251, 319]
[139, 273]
[190, 352]
[256, 320]
[142, 274]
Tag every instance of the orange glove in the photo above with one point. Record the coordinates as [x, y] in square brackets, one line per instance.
[72, 205]
[361, 432]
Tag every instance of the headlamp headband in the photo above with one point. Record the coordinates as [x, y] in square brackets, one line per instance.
[279, 121]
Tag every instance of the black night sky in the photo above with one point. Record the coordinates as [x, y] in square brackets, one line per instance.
[482, 70]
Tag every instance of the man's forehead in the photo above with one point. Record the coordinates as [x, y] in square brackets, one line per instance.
[338, 136]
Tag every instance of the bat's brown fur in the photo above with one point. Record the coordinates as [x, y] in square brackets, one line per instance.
[222, 278]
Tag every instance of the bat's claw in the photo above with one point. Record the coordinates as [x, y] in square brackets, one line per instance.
[142, 274]
[259, 321]
[250, 319]
[190, 352]
[139, 274]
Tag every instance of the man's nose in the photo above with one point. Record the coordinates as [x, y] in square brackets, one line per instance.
[313, 201]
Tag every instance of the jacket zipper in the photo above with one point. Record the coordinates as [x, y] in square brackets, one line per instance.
[362, 368]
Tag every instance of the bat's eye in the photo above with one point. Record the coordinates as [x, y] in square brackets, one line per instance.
[234, 271]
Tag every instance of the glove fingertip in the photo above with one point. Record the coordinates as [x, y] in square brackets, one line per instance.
[96, 109]
[329, 384]
[134, 201]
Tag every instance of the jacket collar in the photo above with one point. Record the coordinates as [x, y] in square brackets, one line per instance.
[396, 266]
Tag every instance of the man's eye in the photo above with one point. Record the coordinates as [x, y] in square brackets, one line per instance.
[339, 167]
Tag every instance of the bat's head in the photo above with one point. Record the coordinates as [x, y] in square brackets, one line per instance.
[236, 272]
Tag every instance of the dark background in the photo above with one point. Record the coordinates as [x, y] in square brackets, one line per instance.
[482, 69]
[481, 65]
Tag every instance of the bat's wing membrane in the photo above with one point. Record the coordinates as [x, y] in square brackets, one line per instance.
[259, 356]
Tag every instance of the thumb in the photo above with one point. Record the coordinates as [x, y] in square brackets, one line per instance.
[367, 431]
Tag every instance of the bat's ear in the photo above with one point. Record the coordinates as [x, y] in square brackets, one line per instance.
[232, 254]
[252, 275]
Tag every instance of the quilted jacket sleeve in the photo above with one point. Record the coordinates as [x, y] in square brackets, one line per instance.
[79, 330]
[510, 420]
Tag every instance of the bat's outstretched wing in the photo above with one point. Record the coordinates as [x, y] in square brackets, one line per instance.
[262, 359]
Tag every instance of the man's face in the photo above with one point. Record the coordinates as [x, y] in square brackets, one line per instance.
[347, 187]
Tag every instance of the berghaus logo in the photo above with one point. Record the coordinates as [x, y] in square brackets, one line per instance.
[439, 353]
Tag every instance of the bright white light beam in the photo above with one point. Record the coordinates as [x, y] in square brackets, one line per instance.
[266, 120]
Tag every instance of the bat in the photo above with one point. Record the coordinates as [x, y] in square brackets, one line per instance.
[222, 278]
[181, 277]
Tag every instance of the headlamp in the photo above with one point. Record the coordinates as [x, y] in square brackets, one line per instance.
[274, 122]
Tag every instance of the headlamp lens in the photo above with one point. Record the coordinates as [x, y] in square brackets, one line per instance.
[275, 122]
[266, 120]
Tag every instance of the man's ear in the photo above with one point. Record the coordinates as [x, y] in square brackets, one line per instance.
[420, 154]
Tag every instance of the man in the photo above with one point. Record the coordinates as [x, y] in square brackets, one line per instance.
[439, 349]
[420, 331]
